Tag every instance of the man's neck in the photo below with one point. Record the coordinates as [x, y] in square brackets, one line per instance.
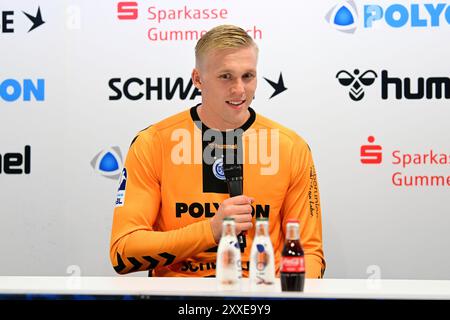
[208, 119]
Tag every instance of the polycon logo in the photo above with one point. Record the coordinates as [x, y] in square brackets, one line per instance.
[344, 16]
[415, 15]
[12, 90]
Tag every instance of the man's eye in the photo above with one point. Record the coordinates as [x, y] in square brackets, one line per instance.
[225, 76]
[249, 76]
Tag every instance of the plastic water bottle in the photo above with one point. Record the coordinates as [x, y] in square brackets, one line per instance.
[262, 262]
[228, 264]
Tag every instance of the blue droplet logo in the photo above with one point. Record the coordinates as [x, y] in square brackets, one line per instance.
[344, 17]
[108, 163]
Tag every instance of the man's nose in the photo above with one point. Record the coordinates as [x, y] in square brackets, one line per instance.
[238, 88]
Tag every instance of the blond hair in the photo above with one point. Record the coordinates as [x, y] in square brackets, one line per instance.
[223, 37]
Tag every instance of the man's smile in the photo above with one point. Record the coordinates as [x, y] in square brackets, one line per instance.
[235, 104]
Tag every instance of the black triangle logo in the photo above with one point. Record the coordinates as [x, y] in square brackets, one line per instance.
[36, 20]
[278, 86]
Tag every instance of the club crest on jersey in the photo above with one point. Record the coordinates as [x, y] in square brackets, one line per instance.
[217, 169]
[120, 200]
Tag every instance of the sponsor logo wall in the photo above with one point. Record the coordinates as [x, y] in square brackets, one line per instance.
[365, 83]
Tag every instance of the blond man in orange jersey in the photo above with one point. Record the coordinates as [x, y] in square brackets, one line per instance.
[173, 195]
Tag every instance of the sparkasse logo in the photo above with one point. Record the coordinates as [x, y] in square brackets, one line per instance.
[173, 22]
[371, 153]
[405, 161]
[127, 10]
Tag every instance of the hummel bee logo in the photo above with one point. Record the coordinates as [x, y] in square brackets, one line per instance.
[356, 82]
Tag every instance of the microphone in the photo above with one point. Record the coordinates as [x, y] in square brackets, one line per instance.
[233, 175]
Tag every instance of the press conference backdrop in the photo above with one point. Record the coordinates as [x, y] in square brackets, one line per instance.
[366, 83]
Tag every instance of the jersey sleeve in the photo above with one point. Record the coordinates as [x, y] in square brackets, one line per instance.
[135, 244]
[302, 202]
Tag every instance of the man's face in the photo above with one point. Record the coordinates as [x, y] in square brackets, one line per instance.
[227, 80]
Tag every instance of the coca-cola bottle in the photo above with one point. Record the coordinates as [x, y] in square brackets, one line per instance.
[228, 264]
[292, 259]
[262, 265]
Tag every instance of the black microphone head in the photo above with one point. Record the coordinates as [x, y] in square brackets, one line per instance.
[232, 171]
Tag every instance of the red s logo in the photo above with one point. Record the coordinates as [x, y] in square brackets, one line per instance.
[127, 10]
[371, 154]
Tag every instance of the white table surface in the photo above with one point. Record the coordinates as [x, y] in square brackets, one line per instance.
[206, 287]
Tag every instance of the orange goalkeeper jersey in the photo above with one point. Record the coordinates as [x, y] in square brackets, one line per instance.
[173, 183]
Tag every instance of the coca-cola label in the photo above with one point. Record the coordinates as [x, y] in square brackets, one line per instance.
[293, 264]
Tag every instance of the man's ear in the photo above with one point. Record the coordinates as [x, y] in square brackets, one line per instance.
[196, 79]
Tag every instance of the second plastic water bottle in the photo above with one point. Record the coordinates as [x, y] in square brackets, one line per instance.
[262, 264]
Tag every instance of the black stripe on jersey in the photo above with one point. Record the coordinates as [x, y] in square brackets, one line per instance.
[212, 183]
